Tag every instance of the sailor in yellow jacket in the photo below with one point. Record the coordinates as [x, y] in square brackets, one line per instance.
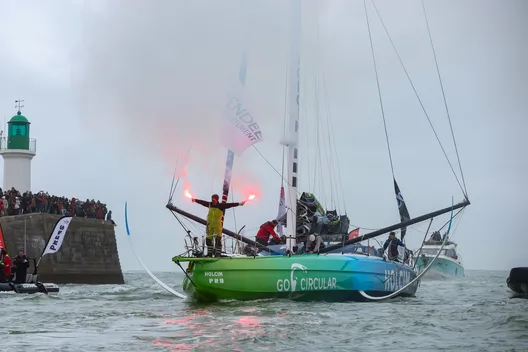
[214, 222]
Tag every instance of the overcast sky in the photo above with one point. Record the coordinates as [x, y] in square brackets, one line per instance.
[117, 90]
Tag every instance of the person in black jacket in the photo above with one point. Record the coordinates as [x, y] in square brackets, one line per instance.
[20, 267]
[392, 243]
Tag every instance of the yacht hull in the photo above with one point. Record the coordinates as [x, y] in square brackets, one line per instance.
[441, 268]
[331, 277]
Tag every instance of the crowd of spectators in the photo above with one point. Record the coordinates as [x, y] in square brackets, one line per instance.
[14, 203]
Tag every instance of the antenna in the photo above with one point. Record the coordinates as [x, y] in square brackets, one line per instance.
[19, 104]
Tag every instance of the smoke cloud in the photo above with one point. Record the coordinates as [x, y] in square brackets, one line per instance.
[156, 74]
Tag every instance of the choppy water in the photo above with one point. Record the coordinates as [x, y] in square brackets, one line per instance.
[474, 313]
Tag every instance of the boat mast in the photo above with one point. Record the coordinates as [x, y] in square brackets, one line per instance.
[293, 123]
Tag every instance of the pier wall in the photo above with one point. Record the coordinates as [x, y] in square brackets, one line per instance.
[88, 254]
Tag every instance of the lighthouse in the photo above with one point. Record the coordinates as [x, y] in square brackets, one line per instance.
[18, 150]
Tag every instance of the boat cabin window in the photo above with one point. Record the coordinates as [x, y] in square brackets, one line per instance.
[450, 253]
[446, 252]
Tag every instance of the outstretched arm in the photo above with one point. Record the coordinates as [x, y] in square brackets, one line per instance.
[202, 202]
[225, 206]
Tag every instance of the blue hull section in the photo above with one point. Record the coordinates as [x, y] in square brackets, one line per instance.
[371, 274]
[441, 268]
[378, 277]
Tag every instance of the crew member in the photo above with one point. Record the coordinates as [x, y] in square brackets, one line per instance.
[313, 243]
[392, 242]
[5, 266]
[214, 222]
[20, 267]
[266, 230]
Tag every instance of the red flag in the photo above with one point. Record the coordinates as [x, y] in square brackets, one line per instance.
[353, 234]
[2, 241]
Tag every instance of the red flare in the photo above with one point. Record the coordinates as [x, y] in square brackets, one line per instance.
[251, 197]
[188, 195]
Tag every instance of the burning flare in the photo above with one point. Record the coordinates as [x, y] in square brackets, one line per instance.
[251, 197]
[188, 195]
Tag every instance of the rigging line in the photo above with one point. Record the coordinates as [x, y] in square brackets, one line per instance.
[274, 169]
[328, 149]
[444, 97]
[306, 138]
[379, 88]
[325, 153]
[178, 181]
[417, 96]
[285, 118]
[333, 149]
[182, 225]
[332, 154]
[317, 147]
[332, 140]
[320, 154]
[171, 192]
[454, 217]
[423, 242]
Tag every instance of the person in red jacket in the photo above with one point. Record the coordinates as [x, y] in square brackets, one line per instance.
[5, 266]
[266, 230]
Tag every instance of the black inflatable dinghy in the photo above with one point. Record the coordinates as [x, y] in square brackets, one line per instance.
[518, 280]
[29, 287]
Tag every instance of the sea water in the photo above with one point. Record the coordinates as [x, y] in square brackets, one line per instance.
[472, 313]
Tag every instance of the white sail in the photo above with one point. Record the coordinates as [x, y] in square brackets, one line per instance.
[241, 129]
[282, 212]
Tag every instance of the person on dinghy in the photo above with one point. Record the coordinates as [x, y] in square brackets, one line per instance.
[20, 267]
[213, 231]
[392, 242]
[5, 266]
[266, 230]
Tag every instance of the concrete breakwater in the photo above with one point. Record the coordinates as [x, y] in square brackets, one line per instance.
[88, 254]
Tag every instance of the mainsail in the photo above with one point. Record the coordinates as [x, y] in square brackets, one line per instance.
[241, 129]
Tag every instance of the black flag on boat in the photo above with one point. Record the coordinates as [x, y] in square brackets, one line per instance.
[402, 208]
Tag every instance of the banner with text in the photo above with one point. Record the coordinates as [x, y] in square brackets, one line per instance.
[241, 130]
[57, 236]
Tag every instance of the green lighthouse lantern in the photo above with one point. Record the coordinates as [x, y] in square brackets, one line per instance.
[18, 132]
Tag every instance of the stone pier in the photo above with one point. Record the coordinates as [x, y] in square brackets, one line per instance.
[88, 254]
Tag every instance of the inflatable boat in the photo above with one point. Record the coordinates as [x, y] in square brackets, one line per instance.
[29, 287]
[518, 281]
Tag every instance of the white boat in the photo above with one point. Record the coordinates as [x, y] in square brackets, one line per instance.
[449, 261]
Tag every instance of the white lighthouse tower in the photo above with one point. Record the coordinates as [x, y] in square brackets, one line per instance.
[18, 149]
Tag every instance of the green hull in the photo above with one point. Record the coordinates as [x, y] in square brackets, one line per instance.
[332, 277]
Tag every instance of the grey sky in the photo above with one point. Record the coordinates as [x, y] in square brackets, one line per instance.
[117, 90]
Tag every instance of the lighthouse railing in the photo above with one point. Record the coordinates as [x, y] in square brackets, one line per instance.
[32, 144]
